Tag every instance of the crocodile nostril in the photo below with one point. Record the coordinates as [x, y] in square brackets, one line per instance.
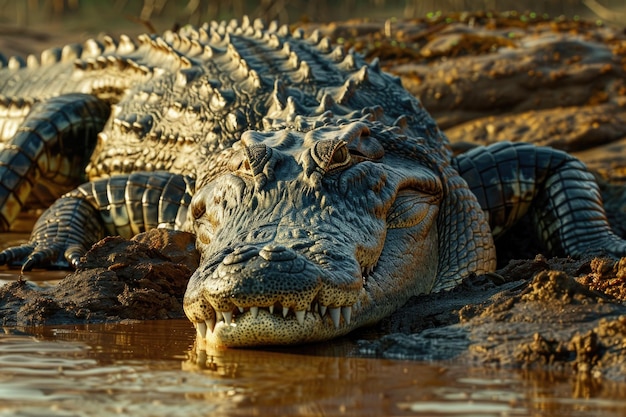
[277, 253]
[240, 254]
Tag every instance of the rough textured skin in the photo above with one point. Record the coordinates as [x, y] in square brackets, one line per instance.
[321, 193]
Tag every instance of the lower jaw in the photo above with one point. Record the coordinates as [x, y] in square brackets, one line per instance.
[270, 329]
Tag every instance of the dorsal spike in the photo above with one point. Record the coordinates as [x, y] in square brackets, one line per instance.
[143, 39]
[279, 95]
[338, 54]
[306, 72]
[258, 24]
[324, 45]
[298, 34]
[267, 123]
[220, 99]
[283, 31]
[91, 47]
[362, 75]
[375, 65]
[16, 62]
[315, 36]
[254, 76]
[273, 41]
[32, 61]
[195, 48]
[287, 49]
[372, 113]
[71, 52]
[109, 44]
[273, 27]
[347, 91]
[216, 36]
[186, 76]
[291, 110]
[326, 103]
[168, 36]
[348, 63]
[294, 60]
[161, 44]
[50, 56]
[203, 34]
[245, 22]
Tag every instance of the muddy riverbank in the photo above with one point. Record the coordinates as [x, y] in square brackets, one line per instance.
[485, 78]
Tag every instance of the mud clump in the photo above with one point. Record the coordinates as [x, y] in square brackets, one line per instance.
[607, 276]
[547, 321]
[118, 279]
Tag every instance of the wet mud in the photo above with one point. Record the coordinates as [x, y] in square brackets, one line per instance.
[559, 314]
[138, 279]
[485, 78]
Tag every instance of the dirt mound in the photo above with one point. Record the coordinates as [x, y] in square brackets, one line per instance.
[142, 278]
[549, 321]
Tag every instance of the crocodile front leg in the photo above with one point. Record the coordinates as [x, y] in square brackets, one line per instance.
[46, 155]
[121, 205]
[554, 188]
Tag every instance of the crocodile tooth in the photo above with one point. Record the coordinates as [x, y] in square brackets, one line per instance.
[271, 309]
[254, 311]
[210, 324]
[300, 316]
[285, 311]
[218, 315]
[335, 315]
[346, 312]
[201, 329]
[228, 317]
[322, 310]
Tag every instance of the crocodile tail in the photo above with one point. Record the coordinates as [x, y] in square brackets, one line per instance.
[555, 189]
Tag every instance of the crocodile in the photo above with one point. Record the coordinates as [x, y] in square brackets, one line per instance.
[321, 193]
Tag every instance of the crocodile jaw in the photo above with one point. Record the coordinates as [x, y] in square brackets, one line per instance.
[386, 287]
[263, 327]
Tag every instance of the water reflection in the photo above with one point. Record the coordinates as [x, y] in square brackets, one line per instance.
[154, 368]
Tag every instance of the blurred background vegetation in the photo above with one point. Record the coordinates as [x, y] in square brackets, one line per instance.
[30, 26]
[81, 15]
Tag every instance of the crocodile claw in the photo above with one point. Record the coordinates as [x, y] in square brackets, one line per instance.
[15, 254]
[61, 236]
[33, 255]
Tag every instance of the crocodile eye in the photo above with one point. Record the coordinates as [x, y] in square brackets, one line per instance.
[330, 155]
[340, 156]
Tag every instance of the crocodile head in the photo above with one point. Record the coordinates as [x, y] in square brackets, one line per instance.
[311, 235]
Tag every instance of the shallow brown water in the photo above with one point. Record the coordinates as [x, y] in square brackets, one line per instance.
[152, 369]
